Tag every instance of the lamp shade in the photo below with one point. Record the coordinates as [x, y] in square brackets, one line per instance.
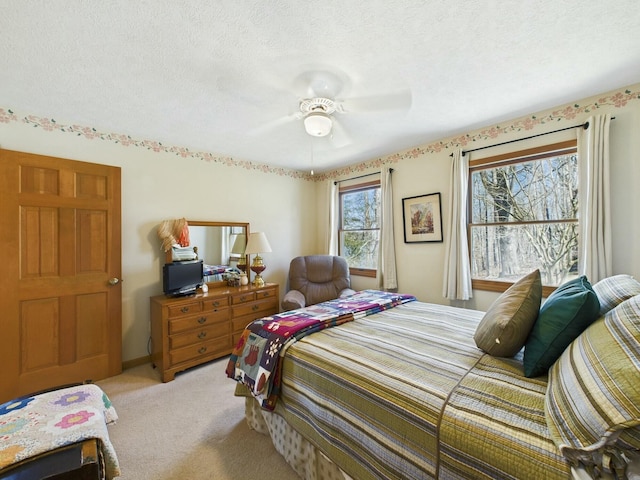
[257, 243]
[318, 124]
[239, 243]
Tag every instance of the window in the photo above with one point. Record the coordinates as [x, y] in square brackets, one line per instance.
[359, 230]
[523, 215]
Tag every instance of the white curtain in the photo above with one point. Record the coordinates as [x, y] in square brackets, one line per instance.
[331, 246]
[457, 272]
[225, 244]
[386, 277]
[595, 256]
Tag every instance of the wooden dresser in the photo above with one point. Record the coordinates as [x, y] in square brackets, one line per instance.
[188, 331]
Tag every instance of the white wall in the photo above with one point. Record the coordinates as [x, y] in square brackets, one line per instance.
[426, 169]
[158, 186]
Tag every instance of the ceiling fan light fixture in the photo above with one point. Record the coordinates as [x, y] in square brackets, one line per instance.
[318, 124]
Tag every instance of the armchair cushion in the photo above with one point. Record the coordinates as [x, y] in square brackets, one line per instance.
[293, 300]
[346, 292]
[316, 279]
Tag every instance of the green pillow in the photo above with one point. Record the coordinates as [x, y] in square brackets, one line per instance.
[506, 325]
[570, 309]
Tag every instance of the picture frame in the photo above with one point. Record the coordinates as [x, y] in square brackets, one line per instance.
[422, 218]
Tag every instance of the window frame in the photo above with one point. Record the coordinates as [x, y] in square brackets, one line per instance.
[373, 184]
[521, 156]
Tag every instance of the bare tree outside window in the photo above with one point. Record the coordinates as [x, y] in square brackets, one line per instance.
[523, 216]
[359, 232]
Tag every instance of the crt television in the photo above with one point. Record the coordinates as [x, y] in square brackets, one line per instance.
[181, 278]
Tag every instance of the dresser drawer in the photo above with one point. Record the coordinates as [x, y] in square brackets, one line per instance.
[262, 309]
[214, 304]
[212, 347]
[199, 335]
[186, 308]
[266, 293]
[255, 308]
[243, 297]
[204, 319]
[238, 324]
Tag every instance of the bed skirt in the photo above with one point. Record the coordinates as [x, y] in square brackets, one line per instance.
[301, 455]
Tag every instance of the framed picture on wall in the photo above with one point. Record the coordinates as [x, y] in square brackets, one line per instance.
[422, 218]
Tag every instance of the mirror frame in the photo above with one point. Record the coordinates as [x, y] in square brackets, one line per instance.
[199, 223]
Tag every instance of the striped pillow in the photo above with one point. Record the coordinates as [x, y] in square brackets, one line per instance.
[593, 395]
[614, 290]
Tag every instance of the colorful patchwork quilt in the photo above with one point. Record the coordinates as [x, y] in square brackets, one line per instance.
[37, 424]
[256, 359]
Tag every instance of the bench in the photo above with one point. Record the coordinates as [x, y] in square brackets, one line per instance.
[59, 434]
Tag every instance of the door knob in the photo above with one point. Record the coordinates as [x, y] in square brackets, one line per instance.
[114, 281]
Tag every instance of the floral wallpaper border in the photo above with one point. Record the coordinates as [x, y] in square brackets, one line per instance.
[616, 99]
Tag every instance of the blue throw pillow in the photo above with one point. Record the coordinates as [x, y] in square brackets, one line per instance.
[568, 311]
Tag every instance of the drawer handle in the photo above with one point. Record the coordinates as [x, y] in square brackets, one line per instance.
[216, 303]
[184, 309]
[255, 307]
[202, 349]
[201, 320]
[202, 334]
[243, 298]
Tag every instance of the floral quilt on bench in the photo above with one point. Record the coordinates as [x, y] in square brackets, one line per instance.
[41, 423]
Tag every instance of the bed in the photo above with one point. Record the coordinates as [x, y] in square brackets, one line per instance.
[215, 273]
[405, 392]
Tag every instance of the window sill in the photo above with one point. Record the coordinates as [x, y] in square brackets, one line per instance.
[362, 272]
[495, 286]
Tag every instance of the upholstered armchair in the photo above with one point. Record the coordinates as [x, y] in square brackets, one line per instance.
[316, 278]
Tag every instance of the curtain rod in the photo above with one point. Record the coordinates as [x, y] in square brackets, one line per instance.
[360, 176]
[584, 125]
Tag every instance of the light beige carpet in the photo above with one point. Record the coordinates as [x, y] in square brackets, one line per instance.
[192, 428]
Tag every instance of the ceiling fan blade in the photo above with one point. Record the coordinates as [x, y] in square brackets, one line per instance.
[274, 124]
[321, 81]
[339, 137]
[400, 101]
[256, 93]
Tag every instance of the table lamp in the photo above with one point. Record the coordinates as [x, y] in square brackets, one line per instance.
[256, 245]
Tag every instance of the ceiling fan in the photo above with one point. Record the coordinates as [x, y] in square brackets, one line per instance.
[319, 95]
[317, 115]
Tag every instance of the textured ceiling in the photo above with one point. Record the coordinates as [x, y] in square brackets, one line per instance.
[226, 76]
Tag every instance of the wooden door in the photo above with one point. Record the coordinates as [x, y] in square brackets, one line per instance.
[60, 294]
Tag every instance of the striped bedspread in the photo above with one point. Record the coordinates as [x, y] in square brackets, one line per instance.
[256, 360]
[406, 394]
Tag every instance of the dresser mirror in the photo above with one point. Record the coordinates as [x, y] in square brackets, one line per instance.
[219, 243]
